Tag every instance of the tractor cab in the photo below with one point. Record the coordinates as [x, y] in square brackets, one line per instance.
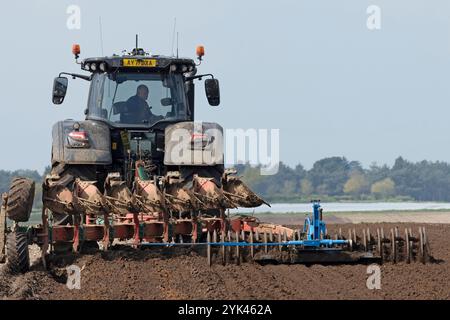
[139, 90]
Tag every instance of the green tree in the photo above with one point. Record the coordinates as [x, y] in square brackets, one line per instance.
[383, 188]
[329, 175]
[306, 187]
[356, 184]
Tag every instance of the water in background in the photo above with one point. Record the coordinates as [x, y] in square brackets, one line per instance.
[347, 207]
[328, 207]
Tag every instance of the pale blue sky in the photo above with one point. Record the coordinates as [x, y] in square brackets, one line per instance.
[310, 68]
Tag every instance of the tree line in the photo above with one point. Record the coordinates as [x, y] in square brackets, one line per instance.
[338, 179]
[7, 176]
[329, 179]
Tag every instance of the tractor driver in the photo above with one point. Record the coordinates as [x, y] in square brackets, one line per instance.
[139, 110]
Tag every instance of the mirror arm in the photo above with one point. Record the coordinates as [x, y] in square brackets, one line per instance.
[199, 77]
[75, 75]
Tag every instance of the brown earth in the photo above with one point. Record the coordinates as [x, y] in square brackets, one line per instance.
[136, 274]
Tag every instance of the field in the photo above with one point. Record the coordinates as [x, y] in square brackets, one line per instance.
[145, 274]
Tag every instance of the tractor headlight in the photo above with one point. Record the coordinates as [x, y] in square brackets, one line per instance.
[173, 68]
[103, 66]
[94, 67]
[87, 66]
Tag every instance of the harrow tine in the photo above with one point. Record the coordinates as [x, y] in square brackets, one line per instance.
[222, 239]
[252, 250]
[215, 236]
[208, 250]
[364, 240]
[408, 246]
[423, 245]
[280, 247]
[354, 236]
[351, 244]
[271, 236]
[238, 253]
[421, 251]
[427, 246]
[229, 248]
[340, 233]
[265, 242]
[257, 235]
[379, 244]
[393, 247]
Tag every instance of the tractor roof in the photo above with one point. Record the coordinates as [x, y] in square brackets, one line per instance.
[138, 61]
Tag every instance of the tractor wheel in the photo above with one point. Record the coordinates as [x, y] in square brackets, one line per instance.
[20, 199]
[67, 175]
[18, 260]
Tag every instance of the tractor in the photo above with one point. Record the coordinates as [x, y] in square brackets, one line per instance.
[137, 169]
[140, 171]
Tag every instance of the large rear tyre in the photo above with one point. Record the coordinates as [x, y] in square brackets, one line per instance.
[18, 259]
[20, 199]
[67, 175]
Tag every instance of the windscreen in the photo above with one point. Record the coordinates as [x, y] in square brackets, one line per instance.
[137, 99]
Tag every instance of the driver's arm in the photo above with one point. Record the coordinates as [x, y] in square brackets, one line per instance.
[150, 115]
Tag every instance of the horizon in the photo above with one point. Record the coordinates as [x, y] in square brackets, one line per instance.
[337, 87]
[365, 167]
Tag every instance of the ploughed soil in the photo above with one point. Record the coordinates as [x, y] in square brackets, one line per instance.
[125, 273]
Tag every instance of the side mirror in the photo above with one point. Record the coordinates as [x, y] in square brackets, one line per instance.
[59, 89]
[165, 102]
[212, 91]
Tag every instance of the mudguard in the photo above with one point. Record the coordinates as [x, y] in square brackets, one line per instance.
[194, 144]
[97, 149]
